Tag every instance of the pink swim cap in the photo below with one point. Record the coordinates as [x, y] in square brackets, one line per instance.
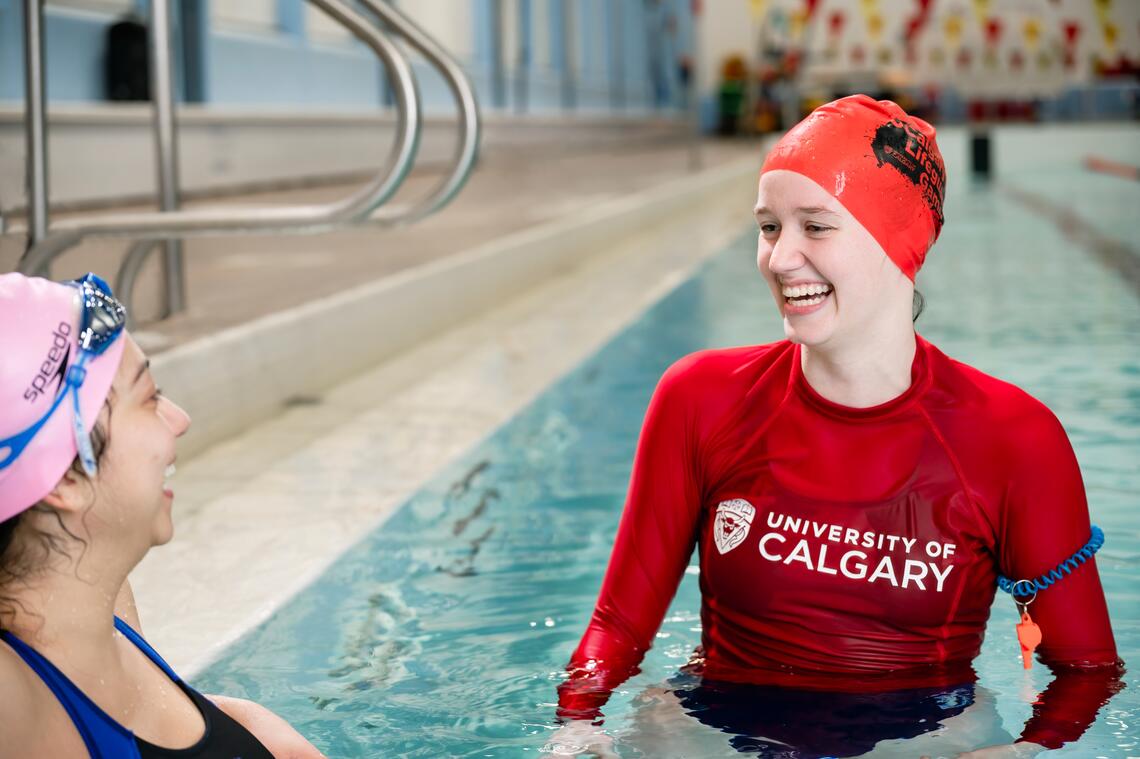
[39, 332]
[880, 163]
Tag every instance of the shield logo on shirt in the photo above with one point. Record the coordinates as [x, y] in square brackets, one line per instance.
[733, 520]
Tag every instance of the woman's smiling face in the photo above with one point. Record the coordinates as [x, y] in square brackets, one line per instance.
[142, 427]
[831, 280]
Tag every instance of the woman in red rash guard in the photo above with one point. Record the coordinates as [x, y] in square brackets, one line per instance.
[853, 492]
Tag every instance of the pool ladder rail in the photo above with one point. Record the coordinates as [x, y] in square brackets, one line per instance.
[368, 205]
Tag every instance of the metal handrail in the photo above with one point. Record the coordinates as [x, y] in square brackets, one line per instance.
[166, 144]
[129, 271]
[315, 218]
[466, 149]
[35, 123]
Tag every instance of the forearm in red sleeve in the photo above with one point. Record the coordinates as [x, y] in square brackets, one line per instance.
[1047, 521]
[1070, 703]
[654, 542]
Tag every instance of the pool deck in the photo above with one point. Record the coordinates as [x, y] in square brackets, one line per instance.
[234, 279]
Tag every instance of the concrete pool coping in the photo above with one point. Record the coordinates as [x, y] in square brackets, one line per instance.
[465, 343]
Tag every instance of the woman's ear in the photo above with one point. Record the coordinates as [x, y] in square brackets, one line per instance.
[71, 494]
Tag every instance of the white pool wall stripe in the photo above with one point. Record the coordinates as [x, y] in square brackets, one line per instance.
[243, 375]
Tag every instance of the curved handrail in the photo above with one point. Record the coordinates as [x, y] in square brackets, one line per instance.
[314, 218]
[129, 271]
[463, 159]
[466, 150]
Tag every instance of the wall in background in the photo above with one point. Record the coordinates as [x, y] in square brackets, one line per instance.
[289, 54]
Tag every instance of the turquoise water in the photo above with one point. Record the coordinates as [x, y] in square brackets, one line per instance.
[444, 633]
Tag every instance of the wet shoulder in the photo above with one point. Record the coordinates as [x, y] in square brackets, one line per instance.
[990, 410]
[719, 372]
[710, 384]
[28, 710]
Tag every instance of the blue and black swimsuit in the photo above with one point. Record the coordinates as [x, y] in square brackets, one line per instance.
[107, 739]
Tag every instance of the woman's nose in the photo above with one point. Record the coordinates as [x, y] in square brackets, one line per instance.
[786, 254]
[175, 417]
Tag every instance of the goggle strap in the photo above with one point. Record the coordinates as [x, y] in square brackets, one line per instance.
[83, 441]
[75, 377]
[77, 373]
[14, 446]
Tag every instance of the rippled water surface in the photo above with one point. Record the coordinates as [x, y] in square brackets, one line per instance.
[444, 633]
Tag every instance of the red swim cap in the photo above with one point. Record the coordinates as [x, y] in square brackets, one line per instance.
[880, 163]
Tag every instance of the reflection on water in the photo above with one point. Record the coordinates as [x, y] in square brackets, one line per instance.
[773, 722]
[445, 633]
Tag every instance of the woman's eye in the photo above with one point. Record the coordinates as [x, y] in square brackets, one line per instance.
[768, 228]
[817, 228]
[157, 394]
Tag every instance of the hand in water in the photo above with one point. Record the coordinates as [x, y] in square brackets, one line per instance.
[580, 738]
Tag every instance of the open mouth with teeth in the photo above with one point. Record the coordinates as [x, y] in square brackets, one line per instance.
[806, 295]
[167, 475]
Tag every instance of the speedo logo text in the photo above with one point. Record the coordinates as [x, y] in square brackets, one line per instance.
[54, 365]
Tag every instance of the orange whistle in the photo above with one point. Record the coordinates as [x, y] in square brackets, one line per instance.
[1029, 636]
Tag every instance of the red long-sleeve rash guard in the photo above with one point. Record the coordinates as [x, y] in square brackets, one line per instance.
[841, 548]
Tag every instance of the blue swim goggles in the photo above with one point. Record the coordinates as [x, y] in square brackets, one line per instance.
[102, 320]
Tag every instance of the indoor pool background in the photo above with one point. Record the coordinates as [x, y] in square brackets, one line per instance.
[444, 633]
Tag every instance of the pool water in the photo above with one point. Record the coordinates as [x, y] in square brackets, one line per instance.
[444, 633]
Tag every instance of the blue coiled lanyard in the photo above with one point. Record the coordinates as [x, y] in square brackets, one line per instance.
[1032, 587]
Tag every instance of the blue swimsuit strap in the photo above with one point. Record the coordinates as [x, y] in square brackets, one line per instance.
[102, 735]
[143, 646]
[1065, 568]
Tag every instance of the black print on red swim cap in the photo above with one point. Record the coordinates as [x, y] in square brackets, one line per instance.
[906, 149]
